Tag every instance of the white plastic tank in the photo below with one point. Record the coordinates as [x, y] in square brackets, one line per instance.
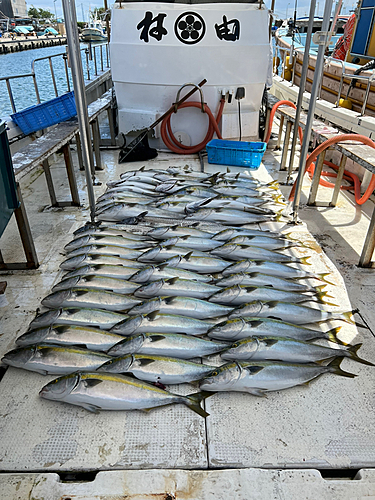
[157, 47]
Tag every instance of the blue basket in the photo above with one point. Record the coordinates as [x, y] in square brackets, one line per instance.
[46, 114]
[236, 153]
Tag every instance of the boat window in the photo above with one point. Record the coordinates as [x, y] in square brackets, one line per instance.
[364, 30]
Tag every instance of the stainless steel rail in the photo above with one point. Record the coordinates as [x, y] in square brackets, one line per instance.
[85, 52]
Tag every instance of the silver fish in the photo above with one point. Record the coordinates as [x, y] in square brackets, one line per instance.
[103, 270]
[263, 242]
[272, 268]
[227, 204]
[297, 314]
[165, 232]
[238, 252]
[104, 240]
[97, 283]
[181, 306]
[121, 211]
[70, 335]
[228, 234]
[157, 369]
[176, 345]
[175, 287]
[166, 271]
[161, 253]
[192, 243]
[224, 216]
[288, 350]
[238, 295]
[161, 323]
[200, 264]
[101, 391]
[241, 328]
[259, 279]
[259, 377]
[48, 359]
[84, 260]
[102, 230]
[93, 299]
[78, 316]
[112, 251]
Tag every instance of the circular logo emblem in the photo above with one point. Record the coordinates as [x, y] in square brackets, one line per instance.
[190, 28]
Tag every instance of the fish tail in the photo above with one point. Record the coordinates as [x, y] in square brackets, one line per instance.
[303, 260]
[322, 296]
[353, 355]
[331, 335]
[322, 277]
[278, 200]
[335, 368]
[193, 402]
[274, 183]
[310, 246]
[319, 288]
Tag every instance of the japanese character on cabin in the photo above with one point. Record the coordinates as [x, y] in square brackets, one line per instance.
[229, 30]
[156, 31]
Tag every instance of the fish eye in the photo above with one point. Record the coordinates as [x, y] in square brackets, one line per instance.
[214, 373]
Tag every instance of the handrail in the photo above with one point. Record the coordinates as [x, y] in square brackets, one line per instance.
[64, 56]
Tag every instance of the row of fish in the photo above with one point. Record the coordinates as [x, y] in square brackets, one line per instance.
[129, 297]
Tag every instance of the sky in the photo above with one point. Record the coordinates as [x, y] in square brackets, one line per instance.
[283, 8]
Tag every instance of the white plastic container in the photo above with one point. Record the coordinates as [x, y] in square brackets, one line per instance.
[158, 47]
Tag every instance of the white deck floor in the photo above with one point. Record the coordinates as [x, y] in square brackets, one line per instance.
[327, 425]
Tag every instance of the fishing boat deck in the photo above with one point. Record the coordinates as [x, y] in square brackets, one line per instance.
[325, 426]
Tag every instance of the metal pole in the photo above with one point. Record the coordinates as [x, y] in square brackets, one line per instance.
[80, 96]
[305, 66]
[310, 116]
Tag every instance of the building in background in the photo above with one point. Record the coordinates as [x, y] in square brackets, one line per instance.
[13, 8]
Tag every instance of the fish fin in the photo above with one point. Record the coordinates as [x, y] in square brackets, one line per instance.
[169, 300]
[310, 246]
[353, 355]
[157, 337]
[278, 200]
[335, 368]
[81, 293]
[331, 335]
[193, 402]
[172, 281]
[145, 361]
[152, 316]
[188, 255]
[303, 260]
[92, 382]
[258, 392]
[91, 408]
[185, 237]
[248, 289]
[146, 410]
[142, 168]
[253, 370]
[320, 288]
[322, 277]
[269, 342]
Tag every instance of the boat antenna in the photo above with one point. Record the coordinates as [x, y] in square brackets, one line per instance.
[321, 39]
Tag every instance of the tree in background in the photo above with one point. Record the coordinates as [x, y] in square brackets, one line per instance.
[35, 13]
[99, 12]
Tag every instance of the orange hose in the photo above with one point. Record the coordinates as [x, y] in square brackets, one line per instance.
[357, 185]
[171, 142]
[310, 165]
[272, 115]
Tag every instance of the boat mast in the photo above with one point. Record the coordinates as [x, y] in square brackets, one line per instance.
[322, 41]
[80, 97]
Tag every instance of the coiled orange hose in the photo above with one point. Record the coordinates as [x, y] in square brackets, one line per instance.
[171, 142]
[310, 162]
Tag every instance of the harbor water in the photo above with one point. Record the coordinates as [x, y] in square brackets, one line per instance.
[23, 89]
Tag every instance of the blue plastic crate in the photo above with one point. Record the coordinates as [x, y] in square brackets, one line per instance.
[236, 153]
[46, 114]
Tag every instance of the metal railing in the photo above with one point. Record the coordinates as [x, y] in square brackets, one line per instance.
[88, 54]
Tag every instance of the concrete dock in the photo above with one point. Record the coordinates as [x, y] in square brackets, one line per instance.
[20, 43]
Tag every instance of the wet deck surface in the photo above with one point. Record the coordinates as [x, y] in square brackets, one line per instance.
[328, 424]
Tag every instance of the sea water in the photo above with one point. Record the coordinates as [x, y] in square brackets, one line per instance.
[23, 89]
